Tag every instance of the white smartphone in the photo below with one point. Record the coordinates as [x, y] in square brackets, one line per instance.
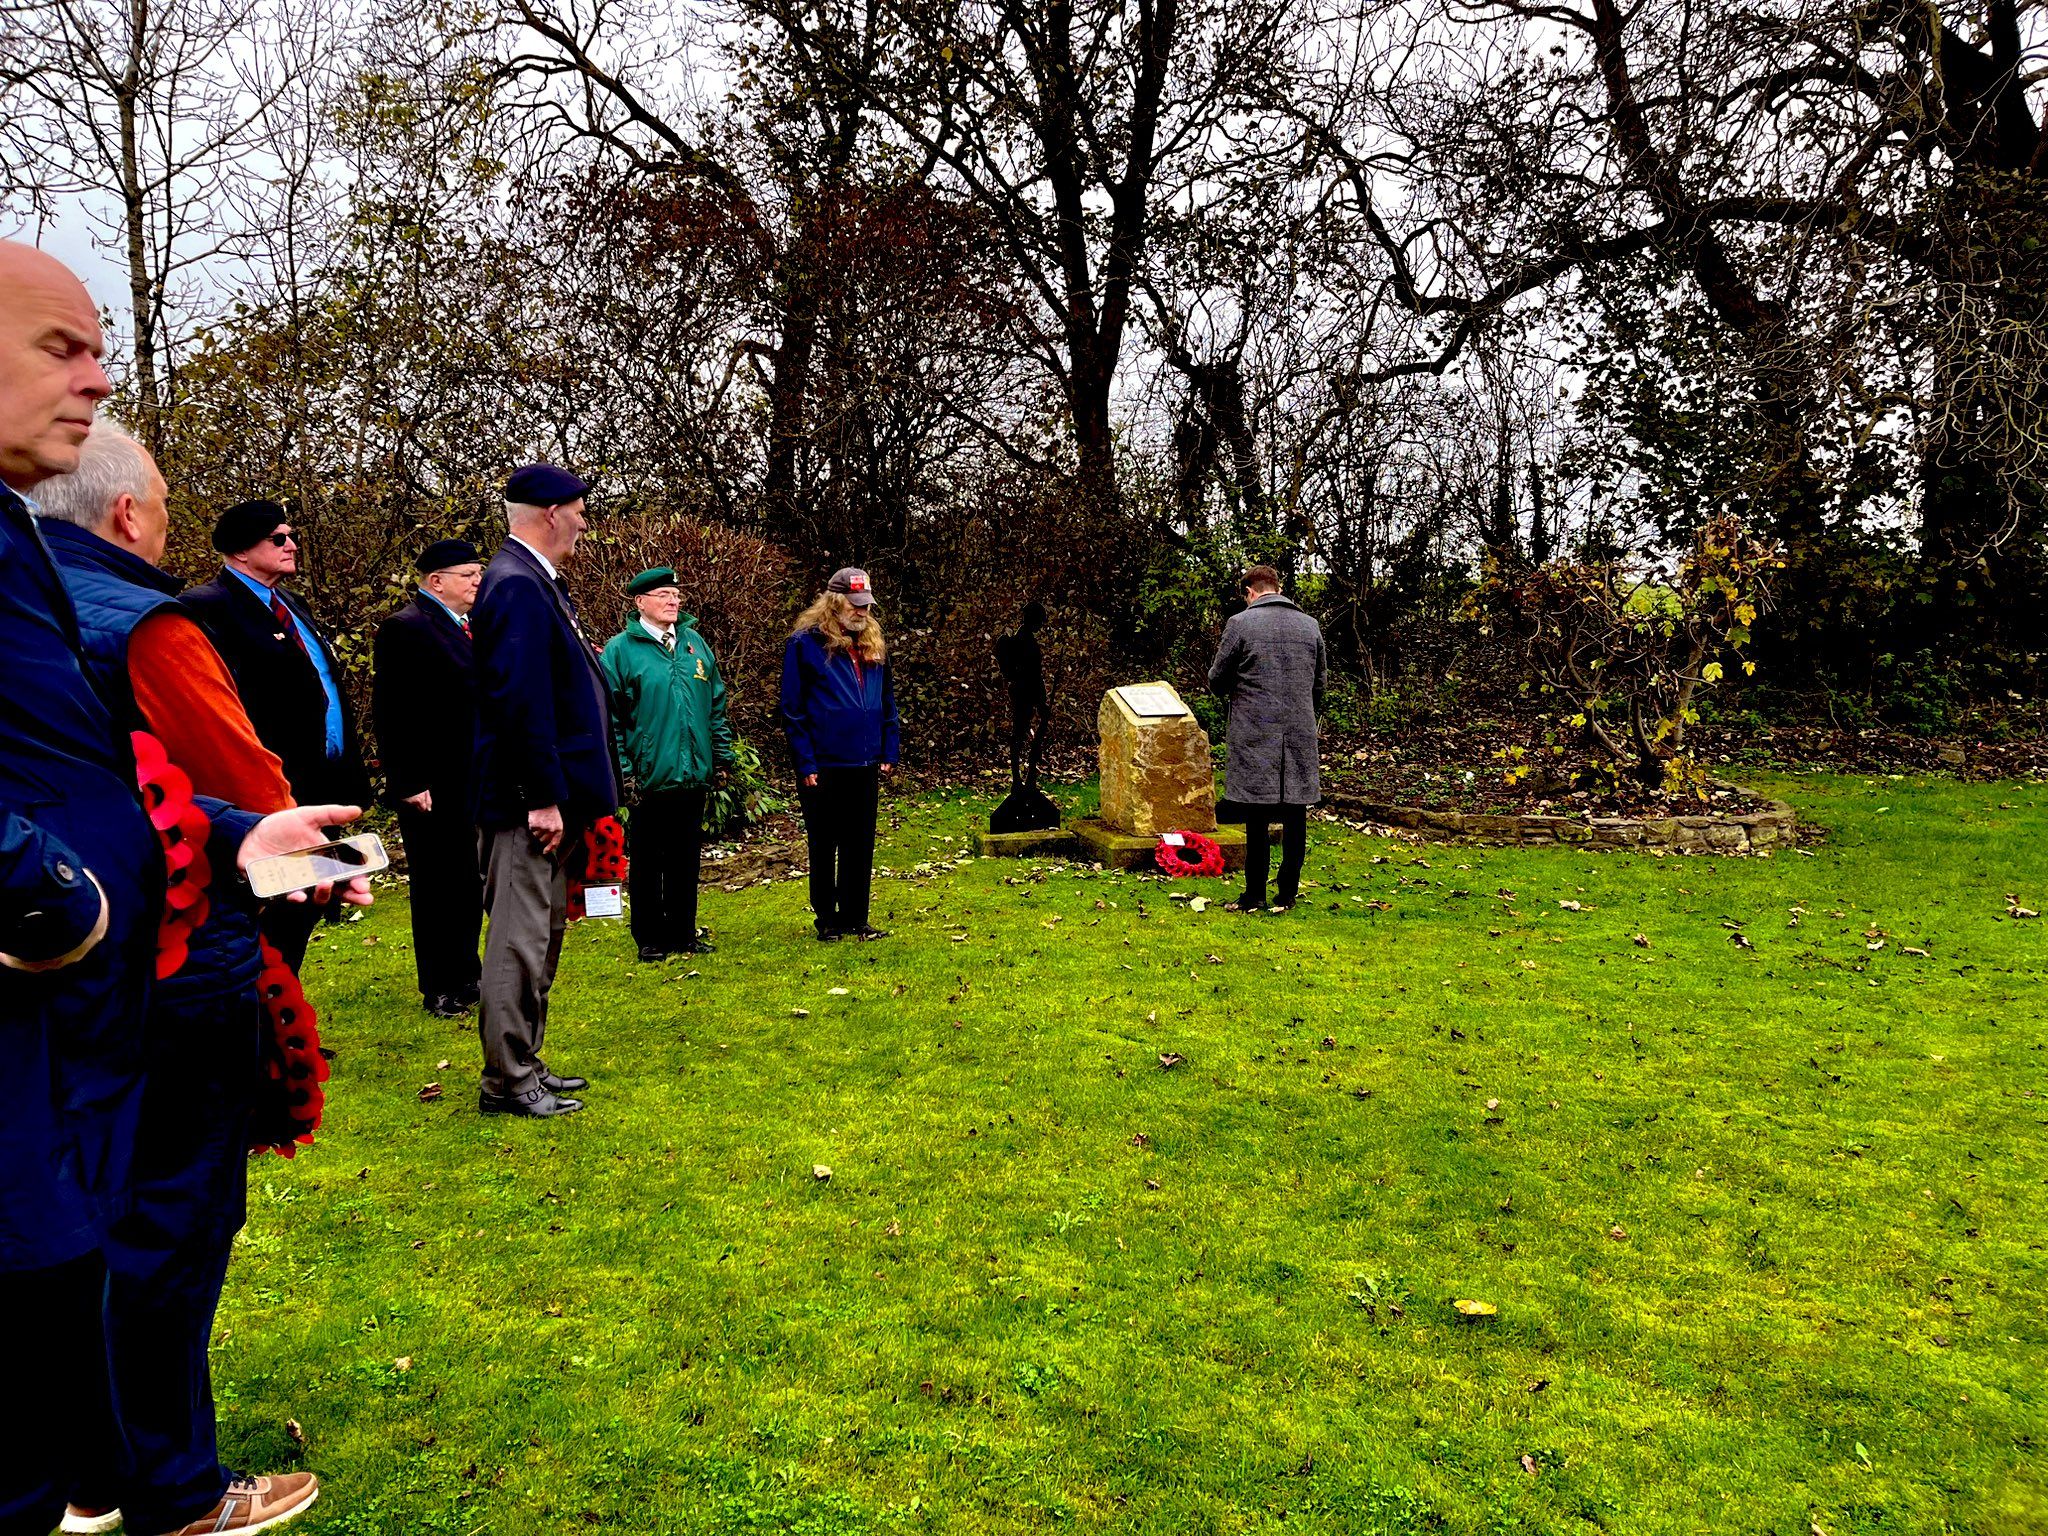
[344, 859]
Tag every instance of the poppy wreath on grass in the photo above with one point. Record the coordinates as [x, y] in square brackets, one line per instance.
[289, 1098]
[1197, 857]
[182, 828]
[601, 861]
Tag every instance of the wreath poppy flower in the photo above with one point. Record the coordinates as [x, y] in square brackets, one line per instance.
[600, 861]
[1197, 857]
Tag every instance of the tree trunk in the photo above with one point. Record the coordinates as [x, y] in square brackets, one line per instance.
[134, 214]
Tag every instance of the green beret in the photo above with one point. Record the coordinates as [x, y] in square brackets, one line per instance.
[648, 581]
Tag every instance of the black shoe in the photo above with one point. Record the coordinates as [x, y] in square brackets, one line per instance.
[470, 996]
[695, 947]
[534, 1104]
[827, 934]
[652, 954]
[1246, 903]
[442, 1006]
[555, 1084]
[867, 932]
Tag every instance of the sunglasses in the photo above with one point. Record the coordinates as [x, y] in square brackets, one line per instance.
[281, 539]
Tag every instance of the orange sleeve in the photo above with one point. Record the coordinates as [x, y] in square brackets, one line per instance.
[185, 694]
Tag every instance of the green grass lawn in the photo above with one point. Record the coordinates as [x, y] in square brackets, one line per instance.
[1764, 1225]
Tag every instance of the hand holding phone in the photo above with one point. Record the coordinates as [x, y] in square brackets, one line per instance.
[302, 830]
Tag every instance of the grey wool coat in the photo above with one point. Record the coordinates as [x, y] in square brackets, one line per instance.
[1271, 669]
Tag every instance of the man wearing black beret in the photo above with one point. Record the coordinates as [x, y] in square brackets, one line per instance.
[287, 675]
[546, 769]
[423, 700]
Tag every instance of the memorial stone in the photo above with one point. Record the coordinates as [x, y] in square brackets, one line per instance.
[1156, 771]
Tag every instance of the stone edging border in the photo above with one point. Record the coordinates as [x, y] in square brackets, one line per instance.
[1772, 826]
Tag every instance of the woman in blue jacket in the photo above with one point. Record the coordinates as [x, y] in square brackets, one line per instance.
[839, 713]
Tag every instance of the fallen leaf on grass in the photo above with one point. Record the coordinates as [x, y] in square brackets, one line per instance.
[441, 1066]
[1472, 1311]
[1641, 941]
[799, 1013]
[820, 1172]
[402, 1363]
[1571, 906]
[1140, 1139]
[1151, 1183]
[430, 1093]
[1168, 1060]
[1199, 904]
[1492, 1105]
[1740, 941]
[294, 1432]
[1528, 1464]
[836, 992]
[1911, 950]
[1618, 1232]
[894, 1229]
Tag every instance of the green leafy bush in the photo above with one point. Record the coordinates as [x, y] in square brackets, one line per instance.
[744, 796]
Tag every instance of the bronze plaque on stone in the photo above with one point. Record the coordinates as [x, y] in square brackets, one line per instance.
[1152, 701]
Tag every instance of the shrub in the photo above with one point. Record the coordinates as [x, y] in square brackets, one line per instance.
[1633, 652]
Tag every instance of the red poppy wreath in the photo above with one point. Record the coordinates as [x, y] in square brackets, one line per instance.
[1197, 857]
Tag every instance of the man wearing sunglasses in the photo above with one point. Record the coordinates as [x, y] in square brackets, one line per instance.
[287, 675]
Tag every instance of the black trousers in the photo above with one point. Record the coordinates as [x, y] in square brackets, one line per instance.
[666, 848]
[1293, 821]
[839, 826]
[56, 1365]
[289, 926]
[155, 1454]
[447, 889]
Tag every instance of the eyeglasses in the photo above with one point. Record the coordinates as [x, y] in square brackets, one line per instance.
[282, 539]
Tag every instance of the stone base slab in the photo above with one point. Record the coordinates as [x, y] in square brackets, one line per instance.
[1116, 849]
[1047, 843]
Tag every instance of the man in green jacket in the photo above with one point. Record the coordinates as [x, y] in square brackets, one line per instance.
[669, 704]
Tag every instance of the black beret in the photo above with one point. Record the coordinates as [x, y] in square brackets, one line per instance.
[649, 581]
[543, 485]
[442, 553]
[245, 523]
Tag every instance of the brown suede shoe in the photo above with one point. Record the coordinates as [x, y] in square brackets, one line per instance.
[256, 1504]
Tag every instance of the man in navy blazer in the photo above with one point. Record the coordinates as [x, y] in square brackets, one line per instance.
[546, 769]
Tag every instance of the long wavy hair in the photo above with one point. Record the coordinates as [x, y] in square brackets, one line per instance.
[827, 616]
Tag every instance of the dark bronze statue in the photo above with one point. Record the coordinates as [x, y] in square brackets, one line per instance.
[1021, 660]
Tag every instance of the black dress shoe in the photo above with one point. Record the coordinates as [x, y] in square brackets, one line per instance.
[827, 934]
[442, 1006]
[555, 1084]
[867, 932]
[695, 947]
[653, 954]
[534, 1104]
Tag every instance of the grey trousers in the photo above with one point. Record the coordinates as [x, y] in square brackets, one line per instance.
[526, 893]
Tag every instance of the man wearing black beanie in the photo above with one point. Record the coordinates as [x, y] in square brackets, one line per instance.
[287, 675]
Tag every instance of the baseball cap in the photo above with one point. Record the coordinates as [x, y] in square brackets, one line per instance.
[852, 584]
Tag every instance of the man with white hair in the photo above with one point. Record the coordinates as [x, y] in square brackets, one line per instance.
[112, 514]
[167, 1255]
[546, 769]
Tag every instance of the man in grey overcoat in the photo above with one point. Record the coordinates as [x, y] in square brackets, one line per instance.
[1270, 670]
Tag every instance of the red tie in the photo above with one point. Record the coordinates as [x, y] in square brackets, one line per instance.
[289, 624]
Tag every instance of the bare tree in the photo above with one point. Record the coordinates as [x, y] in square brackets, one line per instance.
[146, 110]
